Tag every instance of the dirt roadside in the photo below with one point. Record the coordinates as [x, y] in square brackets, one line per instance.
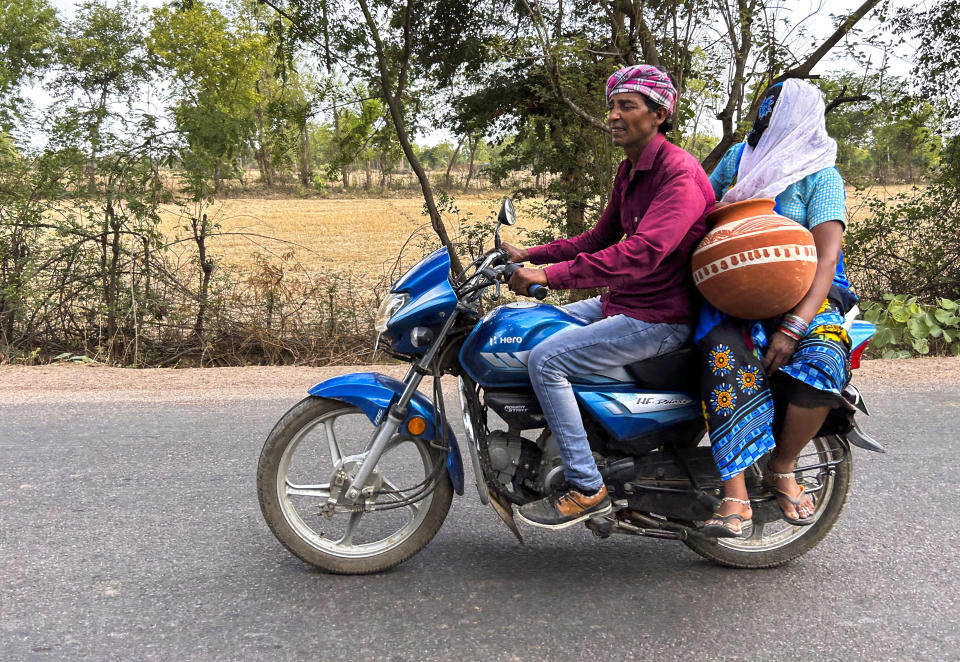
[99, 384]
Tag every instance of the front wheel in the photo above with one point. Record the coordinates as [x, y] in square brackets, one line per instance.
[774, 541]
[298, 464]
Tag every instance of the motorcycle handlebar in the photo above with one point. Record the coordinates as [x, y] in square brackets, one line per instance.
[536, 290]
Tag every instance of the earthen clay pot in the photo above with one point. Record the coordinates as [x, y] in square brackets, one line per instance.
[754, 263]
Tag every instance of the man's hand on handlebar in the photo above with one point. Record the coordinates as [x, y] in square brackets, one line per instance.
[516, 255]
[524, 277]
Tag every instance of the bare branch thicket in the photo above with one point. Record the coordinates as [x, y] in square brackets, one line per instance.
[552, 69]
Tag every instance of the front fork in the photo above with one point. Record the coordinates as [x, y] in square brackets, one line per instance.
[396, 415]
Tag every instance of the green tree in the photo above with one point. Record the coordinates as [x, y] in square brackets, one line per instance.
[27, 33]
[883, 133]
[214, 75]
[431, 155]
[299, 104]
[382, 42]
[97, 128]
[905, 148]
[358, 126]
[935, 28]
[101, 63]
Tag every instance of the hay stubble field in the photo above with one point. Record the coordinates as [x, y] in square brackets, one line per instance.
[364, 236]
[359, 236]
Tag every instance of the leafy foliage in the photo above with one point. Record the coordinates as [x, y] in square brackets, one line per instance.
[906, 327]
[936, 28]
[27, 34]
[85, 270]
[216, 71]
[910, 243]
[891, 136]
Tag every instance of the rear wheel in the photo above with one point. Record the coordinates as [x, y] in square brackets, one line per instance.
[774, 541]
[298, 464]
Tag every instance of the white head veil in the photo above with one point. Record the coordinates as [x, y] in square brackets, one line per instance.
[794, 145]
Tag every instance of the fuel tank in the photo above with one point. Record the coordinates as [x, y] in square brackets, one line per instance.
[495, 353]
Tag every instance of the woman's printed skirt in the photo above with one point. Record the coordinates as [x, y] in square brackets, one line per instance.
[735, 393]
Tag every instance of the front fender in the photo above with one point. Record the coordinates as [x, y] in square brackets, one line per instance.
[373, 393]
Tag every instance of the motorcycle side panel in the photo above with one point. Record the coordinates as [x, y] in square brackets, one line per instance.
[628, 412]
[495, 353]
[373, 393]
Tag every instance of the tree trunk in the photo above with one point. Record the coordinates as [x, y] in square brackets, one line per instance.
[112, 276]
[576, 209]
[473, 153]
[399, 123]
[217, 178]
[306, 172]
[91, 169]
[260, 152]
[201, 228]
[453, 159]
[260, 155]
[263, 157]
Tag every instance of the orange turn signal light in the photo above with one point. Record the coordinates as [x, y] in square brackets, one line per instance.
[416, 425]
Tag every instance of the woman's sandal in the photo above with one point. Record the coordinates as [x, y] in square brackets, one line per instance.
[806, 521]
[724, 528]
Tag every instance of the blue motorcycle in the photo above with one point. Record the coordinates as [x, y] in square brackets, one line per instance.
[359, 476]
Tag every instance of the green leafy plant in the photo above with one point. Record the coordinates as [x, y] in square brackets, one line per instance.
[67, 357]
[906, 327]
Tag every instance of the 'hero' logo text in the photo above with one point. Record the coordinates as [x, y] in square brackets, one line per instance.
[505, 340]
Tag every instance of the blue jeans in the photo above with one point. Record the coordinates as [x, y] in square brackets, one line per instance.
[603, 344]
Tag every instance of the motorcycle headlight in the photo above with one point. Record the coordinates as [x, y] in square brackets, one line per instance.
[391, 304]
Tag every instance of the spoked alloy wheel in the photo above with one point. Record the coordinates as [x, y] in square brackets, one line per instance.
[774, 541]
[298, 462]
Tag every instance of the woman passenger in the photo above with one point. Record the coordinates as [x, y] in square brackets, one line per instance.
[804, 354]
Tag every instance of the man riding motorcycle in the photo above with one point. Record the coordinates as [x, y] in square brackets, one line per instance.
[660, 199]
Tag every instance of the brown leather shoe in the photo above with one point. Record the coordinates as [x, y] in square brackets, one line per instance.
[566, 509]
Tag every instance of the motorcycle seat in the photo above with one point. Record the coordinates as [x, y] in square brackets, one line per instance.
[673, 371]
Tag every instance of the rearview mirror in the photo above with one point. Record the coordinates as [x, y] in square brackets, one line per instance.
[507, 215]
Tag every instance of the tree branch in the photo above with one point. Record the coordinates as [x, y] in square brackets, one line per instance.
[803, 69]
[405, 58]
[399, 124]
[800, 71]
[844, 99]
[552, 73]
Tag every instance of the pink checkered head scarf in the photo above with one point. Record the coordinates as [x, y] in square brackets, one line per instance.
[646, 80]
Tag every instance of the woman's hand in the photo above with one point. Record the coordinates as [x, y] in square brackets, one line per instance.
[516, 254]
[779, 351]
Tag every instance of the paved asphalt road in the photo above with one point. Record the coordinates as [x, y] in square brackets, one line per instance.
[132, 532]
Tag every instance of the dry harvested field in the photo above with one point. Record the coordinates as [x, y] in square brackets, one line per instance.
[364, 236]
[355, 235]
[856, 205]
